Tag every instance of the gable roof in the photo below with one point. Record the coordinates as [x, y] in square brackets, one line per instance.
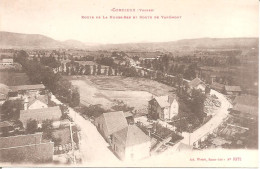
[20, 140]
[164, 101]
[53, 113]
[233, 88]
[132, 135]
[195, 82]
[33, 99]
[114, 121]
[27, 87]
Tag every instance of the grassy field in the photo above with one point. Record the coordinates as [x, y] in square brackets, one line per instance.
[104, 90]
[14, 78]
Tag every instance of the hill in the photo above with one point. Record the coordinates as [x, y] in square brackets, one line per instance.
[18, 40]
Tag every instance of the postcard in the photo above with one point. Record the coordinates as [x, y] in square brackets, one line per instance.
[147, 83]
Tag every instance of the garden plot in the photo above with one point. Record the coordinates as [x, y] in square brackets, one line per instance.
[104, 90]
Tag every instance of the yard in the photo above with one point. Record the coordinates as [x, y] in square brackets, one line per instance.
[104, 90]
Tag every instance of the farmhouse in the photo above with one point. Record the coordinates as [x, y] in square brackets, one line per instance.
[232, 90]
[51, 113]
[163, 107]
[109, 123]
[130, 143]
[26, 148]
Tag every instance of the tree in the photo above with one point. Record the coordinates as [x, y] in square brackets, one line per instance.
[99, 70]
[121, 106]
[87, 70]
[197, 103]
[75, 98]
[32, 126]
[47, 128]
[11, 109]
[92, 110]
[110, 71]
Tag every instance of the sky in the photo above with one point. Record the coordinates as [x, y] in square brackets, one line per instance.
[61, 19]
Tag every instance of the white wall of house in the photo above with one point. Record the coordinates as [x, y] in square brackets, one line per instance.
[138, 151]
[101, 126]
[38, 105]
[174, 108]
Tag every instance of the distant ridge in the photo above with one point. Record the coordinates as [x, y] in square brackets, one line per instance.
[19, 40]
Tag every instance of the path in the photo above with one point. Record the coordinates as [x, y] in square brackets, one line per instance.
[93, 148]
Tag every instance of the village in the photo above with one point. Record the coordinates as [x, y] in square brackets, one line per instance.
[71, 107]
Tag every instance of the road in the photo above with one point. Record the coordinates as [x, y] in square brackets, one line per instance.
[94, 149]
[220, 114]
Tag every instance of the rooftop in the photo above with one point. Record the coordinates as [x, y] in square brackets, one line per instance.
[132, 135]
[20, 140]
[195, 82]
[233, 88]
[115, 121]
[27, 87]
[40, 114]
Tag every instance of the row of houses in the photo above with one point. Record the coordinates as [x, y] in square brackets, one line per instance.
[35, 101]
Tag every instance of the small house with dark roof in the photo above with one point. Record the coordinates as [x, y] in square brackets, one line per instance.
[131, 143]
[25, 148]
[232, 90]
[50, 113]
[197, 83]
[163, 107]
[218, 87]
[111, 122]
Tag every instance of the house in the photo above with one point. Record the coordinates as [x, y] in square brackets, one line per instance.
[130, 143]
[36, 102]
[163, 107]
[17, 91]
[232, 90]
[218, 87]
[197, 84]
[109, 123]
[246, 107]
[25, 148]
[7, 61]
[51, 113]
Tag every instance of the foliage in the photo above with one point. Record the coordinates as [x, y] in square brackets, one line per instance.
[58, 85]
[121, 106]
[92, 110]
[11, 109]
[32, 126]
[47, 128]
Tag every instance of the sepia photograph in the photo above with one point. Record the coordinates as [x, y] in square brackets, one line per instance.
[147, 83]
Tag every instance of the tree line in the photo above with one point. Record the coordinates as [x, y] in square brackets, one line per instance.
[58, 85]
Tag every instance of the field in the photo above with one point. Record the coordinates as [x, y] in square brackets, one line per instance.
[104, 90]
[14, 78]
